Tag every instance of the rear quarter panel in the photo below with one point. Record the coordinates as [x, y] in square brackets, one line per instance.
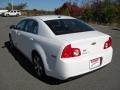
[49, 49]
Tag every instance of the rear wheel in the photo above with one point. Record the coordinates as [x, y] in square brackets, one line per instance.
[17, 15]
[38, 65]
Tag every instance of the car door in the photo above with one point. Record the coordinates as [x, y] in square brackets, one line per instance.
[11, 13]
[31, 30]
[16, 33]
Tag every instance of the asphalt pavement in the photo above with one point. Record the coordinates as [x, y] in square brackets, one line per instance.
[16, 72]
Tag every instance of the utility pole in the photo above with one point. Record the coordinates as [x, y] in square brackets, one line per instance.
[70, 1]
[12, 4]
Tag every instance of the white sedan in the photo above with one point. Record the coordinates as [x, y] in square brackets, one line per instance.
[61, 46]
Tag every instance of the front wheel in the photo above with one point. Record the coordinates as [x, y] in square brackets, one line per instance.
[11, 41]
[7, 15]
[38, 65]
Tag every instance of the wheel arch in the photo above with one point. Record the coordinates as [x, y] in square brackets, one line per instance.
[42, 54]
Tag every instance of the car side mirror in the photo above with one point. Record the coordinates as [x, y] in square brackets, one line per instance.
[12, 27]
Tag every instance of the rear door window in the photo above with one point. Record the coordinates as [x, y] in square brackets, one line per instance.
[31, 26]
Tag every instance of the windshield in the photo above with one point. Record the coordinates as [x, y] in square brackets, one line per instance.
[67, 26]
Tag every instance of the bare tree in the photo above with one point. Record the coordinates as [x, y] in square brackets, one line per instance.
[17, 7]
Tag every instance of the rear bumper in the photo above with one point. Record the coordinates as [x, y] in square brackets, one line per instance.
[74, 67]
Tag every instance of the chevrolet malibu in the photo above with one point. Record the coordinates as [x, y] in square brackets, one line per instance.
[61, 46]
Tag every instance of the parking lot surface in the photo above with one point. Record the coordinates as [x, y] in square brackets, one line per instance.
[16, 72]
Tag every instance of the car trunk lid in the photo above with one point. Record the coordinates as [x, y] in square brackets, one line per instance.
[90, 42]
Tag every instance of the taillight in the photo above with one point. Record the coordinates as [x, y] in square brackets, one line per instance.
[75, 52]
[108, 43]
[68, 52]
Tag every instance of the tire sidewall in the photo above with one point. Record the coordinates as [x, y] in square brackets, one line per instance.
[41, 64]
[7, 15]
[11, 41]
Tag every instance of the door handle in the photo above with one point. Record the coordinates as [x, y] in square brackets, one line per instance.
[31, 39]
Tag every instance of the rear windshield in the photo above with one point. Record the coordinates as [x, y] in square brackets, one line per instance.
[67, 26]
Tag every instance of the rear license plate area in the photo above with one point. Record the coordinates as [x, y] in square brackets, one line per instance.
[94, 63]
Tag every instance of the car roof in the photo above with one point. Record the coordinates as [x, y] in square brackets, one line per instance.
[50, 17]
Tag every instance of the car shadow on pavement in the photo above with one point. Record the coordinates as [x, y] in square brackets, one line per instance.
[27, 65]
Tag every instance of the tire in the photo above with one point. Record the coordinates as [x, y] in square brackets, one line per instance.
[7, 15]
[17, 15]
[38, 65]
[11, 41]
